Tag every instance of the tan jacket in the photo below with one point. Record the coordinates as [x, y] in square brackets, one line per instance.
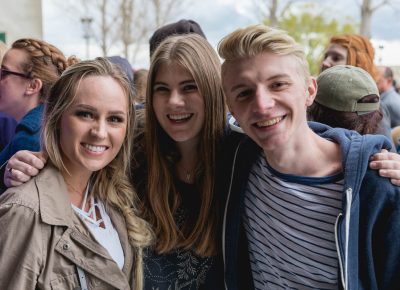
[42, 240]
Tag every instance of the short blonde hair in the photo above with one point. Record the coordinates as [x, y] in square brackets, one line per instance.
[256, 39]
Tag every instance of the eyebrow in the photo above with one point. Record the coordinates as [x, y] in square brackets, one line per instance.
[181, 83]
[277, 76]
[90, 108]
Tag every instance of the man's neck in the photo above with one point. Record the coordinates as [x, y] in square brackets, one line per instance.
[310, 155]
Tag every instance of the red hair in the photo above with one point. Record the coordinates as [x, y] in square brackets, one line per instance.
[360, 52]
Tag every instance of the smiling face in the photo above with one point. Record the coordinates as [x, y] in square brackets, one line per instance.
[93, 128]
[334, 55]
[178, 104]
[268, 96]
[13, 100]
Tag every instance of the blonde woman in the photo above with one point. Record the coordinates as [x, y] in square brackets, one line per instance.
[75, 224]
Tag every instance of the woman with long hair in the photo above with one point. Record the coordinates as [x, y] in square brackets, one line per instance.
[185, 120]
[76, 224]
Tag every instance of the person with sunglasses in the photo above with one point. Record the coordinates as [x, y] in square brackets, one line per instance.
[28, 70]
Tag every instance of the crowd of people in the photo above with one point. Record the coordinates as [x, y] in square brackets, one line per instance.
[196, 174]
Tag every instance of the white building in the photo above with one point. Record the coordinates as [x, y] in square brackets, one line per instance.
[20, 18]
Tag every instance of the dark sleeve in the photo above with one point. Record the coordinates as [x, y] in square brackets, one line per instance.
[379, 234]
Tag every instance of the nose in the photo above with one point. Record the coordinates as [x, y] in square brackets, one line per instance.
[263, 101]
[176, 98]
[99, 130]
[326, 63]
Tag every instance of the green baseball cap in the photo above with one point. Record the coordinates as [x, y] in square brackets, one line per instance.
[342, 86]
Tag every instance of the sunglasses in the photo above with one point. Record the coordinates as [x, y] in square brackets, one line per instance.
[5, 72]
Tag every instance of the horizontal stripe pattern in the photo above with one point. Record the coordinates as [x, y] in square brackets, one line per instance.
[289, 222]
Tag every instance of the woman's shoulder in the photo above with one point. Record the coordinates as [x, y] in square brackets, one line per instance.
[25, 195]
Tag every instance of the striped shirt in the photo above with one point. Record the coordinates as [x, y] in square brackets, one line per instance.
[289, 222]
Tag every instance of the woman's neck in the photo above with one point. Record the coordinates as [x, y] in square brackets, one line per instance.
[76, 187]
[186, 166]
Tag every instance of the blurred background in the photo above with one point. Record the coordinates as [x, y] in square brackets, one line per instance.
[90, 28]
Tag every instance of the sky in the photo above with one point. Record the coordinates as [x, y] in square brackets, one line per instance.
[219, 17]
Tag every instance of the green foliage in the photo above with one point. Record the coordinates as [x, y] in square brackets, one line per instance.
[313, 30]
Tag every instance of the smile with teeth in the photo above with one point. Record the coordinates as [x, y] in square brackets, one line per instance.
[179, 117]
[270, 122]
[93, 148]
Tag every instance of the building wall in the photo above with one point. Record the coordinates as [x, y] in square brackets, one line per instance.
[21, 18]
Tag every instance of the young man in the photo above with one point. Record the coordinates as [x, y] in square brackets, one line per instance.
[303, 210]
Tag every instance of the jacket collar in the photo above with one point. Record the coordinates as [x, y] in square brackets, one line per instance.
[55, 209]
[53, 198]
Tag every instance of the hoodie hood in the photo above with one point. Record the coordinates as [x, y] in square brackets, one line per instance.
[355, 148]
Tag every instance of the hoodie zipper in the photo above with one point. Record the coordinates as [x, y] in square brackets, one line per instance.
[226, 210]
[343, 268]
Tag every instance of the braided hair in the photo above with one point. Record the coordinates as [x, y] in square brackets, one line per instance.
[45, 62]
[360, 52]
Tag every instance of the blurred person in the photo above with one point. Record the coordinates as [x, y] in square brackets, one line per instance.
[124, 65]
[7, 129]
[351, 49]
[140, 84]
[303, 209]
[75, 225]
[390, 99]
[180, 27]
[28, 70]
[355, 50]
[7, 123]
[347, 97]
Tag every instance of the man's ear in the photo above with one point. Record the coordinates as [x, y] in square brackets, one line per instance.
[311, 91]
[34, 87]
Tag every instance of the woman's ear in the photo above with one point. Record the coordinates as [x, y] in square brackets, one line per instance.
[34, 87]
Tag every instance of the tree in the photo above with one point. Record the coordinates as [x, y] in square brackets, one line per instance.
[272, 10]
[316, 30]
[367, 10]
[125, 24]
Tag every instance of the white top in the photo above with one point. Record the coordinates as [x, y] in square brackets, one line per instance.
[107, 236]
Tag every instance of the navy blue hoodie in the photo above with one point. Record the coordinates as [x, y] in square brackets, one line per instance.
[367, 230]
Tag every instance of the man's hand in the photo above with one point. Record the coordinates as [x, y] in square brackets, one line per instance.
[388, 164]
[22, 166]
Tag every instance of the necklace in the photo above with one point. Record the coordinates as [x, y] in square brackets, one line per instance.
[187, 175]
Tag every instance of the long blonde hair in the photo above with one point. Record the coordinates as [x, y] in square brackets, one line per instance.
[110, 184]
[162, 198]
